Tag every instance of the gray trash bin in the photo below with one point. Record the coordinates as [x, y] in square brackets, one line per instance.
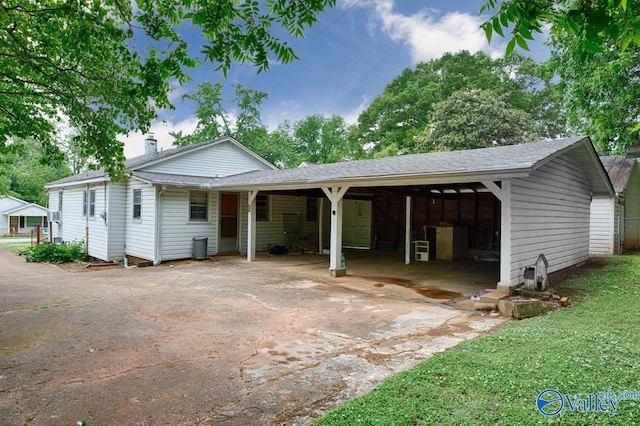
[200, 248]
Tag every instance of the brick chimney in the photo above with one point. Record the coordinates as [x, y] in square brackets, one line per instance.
[150, 146]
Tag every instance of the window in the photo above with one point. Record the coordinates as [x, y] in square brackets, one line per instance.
[198, 203]
[312, 209]
[32, 221]
[92, 203]
[262, 207]
[59, 201]
[137, 203]
[84, 203]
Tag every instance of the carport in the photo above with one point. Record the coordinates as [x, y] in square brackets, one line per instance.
[540, 196]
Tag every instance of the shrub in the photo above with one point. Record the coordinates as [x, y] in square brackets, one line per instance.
[56, 253]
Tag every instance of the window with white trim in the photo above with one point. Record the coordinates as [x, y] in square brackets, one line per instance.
[198, 206]
[137, 204]
[92, 203]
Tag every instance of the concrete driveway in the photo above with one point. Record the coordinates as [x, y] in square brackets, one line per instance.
[199, 343]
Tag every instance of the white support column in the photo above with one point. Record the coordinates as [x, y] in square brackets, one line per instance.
[251, 226]
[407, 232]
[335, 195]
[505, 285]
[320, 224]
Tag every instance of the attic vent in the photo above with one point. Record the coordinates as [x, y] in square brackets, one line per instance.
[150, 146]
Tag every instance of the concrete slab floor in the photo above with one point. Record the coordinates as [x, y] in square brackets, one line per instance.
[386, 273]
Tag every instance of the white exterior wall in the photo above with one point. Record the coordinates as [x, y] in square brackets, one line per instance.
[97, 227]
[75, 225]
[116, 211]
[7, 203]
[176, 233]
[550, 215]
[221, 160]
[56, 228]
[139, 233]
[271, 233]
[602, 226]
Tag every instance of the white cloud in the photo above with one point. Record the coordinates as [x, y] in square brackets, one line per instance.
[430, 34]
[351, 117]
[134, 142]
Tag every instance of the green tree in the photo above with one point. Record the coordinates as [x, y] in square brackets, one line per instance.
[389, 126]
[594, 25]
[602, 92]
[471, 119]
[280, 147]
[321, 140]
[106, 65]
[31, 167]
[242, 121]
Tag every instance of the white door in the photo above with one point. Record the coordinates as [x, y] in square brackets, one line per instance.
[356, 223]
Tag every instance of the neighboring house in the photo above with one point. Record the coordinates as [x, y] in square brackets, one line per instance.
[615, 221]
[518, 201]
[19, 216]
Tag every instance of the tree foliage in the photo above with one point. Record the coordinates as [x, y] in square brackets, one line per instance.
[106, 65]
[394, 119]
[471, 119]
[321, 140]
[594, 25]
[602, 90]
[27, 167]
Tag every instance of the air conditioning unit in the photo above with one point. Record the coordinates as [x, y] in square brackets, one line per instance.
[54, 217]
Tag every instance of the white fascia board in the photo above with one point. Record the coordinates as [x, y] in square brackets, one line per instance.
[83, 182]
[364, 182]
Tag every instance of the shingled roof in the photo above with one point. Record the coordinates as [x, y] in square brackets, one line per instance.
[439, 167]
[619, 169]
[472, 165]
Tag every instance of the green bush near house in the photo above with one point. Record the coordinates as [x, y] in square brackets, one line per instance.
[590, 347]
[55, 253]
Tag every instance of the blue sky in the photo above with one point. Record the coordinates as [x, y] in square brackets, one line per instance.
[345, 61]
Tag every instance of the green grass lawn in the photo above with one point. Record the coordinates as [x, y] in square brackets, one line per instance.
[592, 346]
[16, 247]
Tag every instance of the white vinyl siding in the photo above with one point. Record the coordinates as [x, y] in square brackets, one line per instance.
[116, 220]
[140, 240]
[220, 160]
[76, 226]
[550, 215]
[97, 228]
[177, 232]
[602, 226]
[271, 233]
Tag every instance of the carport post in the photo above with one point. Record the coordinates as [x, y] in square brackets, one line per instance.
[503, 193]
[407, 233]
[251, 226]
[335, 194]
[320, 221]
